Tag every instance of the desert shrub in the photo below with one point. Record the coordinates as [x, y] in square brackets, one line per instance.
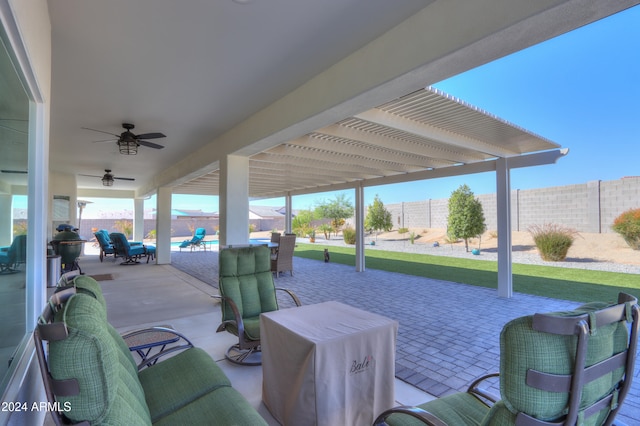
[628, 226]
[553, 241]
[403, 230]
[349, 235]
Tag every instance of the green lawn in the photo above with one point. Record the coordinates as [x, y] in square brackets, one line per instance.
[560, 283]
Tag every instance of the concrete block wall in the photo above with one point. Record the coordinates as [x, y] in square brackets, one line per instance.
[589, 207]
[562, 205]
[616, 197]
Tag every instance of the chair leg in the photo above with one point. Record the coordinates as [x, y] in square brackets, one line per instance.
[251, 356]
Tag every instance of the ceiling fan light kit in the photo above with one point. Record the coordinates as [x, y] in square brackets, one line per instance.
[128, 147]
[107, 180]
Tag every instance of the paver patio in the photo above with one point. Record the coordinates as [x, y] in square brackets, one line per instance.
[449, 332]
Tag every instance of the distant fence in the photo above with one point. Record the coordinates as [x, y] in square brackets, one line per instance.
[179, 227]
[590, 207]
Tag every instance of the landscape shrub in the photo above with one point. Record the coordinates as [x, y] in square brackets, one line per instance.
[403, 230]
[553, 241]
[349, 235]
[628, 226]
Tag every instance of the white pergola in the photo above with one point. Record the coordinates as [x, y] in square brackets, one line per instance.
[424, 135]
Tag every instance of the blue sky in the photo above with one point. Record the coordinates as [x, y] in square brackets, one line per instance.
[580, 90]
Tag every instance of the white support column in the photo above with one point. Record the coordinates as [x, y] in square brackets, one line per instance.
[288, 209]
[163, 225]
[234, 200]
[360, 258]
[503, 199]
[37, 209]
[6, 213]
[138, 219]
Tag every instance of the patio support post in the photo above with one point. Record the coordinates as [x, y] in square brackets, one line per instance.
[6, 213]
[234, 200]
[360, 259]
[503, 199]
[138, 219]
[163, 226]
[287, 211]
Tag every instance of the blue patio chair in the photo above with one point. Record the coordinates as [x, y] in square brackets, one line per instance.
[106, 246]
[14, 255]
[561, 368]
[195, 241]
[130, 251]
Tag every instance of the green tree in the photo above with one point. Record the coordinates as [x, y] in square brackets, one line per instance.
[124, 226]
[466, 218]
[338, 209]
[301, 224]
[378, 217]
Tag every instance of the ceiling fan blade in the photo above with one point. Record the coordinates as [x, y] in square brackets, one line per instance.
[150, 144]
[151, 136]
[80, 174]
[101, 131]
[105, 140]
[119, 178]
[22, 172]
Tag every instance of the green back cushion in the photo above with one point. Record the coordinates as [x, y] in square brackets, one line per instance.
[245, 277]
[522, 348]
[87, 285]
[110, 391]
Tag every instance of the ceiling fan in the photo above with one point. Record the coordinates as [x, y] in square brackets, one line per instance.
[108, 178]
[128, 142]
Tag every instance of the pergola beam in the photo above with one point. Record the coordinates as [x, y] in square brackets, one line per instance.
[431, 132]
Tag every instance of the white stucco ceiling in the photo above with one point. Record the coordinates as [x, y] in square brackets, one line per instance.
[219, 77]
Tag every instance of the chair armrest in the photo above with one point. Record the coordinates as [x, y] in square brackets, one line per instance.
[484, 396]
[144, 341]
[418, 413]
[292, 294]
[236, 313]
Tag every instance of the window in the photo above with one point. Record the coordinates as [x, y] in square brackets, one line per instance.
[14, 151]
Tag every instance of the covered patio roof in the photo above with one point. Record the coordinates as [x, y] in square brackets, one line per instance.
[422, 135]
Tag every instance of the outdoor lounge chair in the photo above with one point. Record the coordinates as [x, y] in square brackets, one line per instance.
[282, 258]
[106, 246]
[246, 290]
[132, 252]
[14, 255]
[562, 368]
[195, 241]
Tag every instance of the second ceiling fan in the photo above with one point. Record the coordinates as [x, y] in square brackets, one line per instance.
[128, 142]
[108, 178]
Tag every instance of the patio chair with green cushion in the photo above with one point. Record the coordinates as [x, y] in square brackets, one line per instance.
[562, 368]
[246, 290]
[106, 246]
[14, 255]
[196, 240]
[91, 378]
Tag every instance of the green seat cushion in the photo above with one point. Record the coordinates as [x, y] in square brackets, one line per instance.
[523, 348]
[246, 278]
[180, 380]
[92, 356]
[224, 406]
[251, 328]
[456, 409]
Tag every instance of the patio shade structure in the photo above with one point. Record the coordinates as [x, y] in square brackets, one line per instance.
[424, 135]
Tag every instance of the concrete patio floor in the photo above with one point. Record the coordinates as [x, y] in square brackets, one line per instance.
[448, 335]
